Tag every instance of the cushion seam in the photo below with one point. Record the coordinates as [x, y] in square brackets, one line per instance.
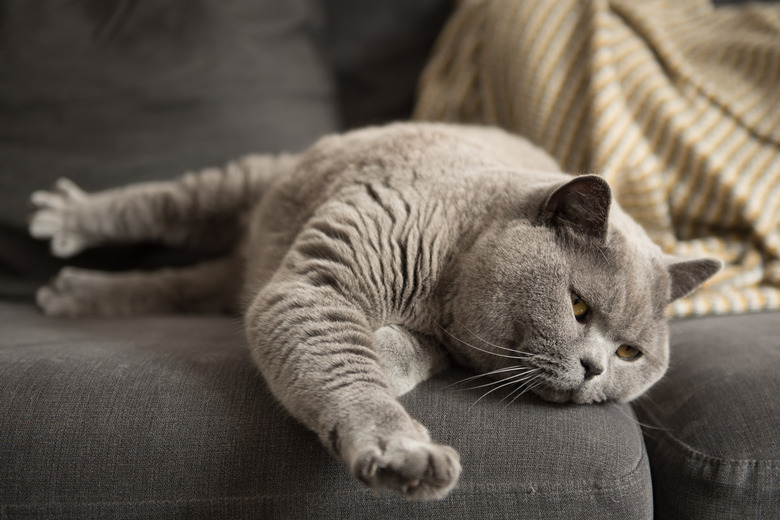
[701, 455]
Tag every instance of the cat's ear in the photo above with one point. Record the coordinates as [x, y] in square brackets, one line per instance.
[581, 205]
[687, 275]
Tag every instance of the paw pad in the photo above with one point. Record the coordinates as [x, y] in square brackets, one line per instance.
[417, 469]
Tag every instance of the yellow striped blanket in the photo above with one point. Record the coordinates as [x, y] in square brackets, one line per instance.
[675, 102]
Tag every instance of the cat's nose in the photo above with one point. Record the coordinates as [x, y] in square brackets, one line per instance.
[592, 368]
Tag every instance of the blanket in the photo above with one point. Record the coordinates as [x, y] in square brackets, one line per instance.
[676, 104]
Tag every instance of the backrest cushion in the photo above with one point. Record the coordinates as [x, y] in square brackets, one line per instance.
[108, 92]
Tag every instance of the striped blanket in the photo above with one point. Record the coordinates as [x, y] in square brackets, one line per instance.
[676, 103]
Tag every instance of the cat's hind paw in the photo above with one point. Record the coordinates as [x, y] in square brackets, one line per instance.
[55, 215]
[73, 293]
[417, 469]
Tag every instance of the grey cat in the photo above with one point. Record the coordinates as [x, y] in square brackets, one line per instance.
[372, 258]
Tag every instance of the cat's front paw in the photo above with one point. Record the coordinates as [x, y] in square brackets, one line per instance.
[55, 217]
[418, 469]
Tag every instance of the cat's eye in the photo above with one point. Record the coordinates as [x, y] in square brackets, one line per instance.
[579, 306]
[628, 352]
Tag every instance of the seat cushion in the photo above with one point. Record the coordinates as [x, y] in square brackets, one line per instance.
[165, 417]
[713, 423]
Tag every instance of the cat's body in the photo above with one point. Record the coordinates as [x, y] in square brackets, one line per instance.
[367, 254]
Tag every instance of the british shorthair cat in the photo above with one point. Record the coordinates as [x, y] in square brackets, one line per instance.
[365, 264]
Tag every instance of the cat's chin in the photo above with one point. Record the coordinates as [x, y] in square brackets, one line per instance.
[566, 396]
[552, 395]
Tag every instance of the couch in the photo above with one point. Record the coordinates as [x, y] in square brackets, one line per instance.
[166, 417]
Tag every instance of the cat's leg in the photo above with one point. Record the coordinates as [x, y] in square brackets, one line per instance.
[204, 208]
[317, 350]
[407, 357]
[211, 286]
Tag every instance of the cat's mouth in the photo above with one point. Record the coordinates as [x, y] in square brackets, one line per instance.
[553, 382]
[566, 396]
[550, 391]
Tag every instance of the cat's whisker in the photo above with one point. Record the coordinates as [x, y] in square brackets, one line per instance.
[519, 388]
[521, 357]
[637, 421]
[525, 391]
[523, 388]
[487, 374]
[513, 382]
[489, 343]
[493, 383]
[514, 379]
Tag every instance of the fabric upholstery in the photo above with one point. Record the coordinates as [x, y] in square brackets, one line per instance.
[675, 103]
[377, 50]
[112, 92]
[713, 423]
[166, 417]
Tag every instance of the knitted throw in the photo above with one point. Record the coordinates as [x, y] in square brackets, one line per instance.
[676, 103]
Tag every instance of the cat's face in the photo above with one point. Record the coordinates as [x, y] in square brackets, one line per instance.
[572, 306]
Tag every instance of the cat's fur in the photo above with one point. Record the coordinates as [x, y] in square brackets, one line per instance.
[365, 255]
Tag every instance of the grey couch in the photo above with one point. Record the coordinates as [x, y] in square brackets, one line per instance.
[165, 416]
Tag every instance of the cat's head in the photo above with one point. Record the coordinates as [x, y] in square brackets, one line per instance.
[571, 300]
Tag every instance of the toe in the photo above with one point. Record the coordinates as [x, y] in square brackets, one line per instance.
[46, 199]
[44, 224]
[69, 188]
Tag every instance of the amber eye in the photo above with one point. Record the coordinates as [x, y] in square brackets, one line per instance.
[628, 353]
[579, 306]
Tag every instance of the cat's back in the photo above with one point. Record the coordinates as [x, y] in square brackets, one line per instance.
[420, 160]
[410, 166]
[417, 151]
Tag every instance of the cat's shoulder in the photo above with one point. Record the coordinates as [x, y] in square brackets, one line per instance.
[428, 149]
[454, 139]
[434, 160]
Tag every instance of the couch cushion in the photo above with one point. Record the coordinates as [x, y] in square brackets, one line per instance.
[713, 423]
[166, 417]
[377, 50]
[113, 92]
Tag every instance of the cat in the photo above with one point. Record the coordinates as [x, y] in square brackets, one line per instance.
[374, 258]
